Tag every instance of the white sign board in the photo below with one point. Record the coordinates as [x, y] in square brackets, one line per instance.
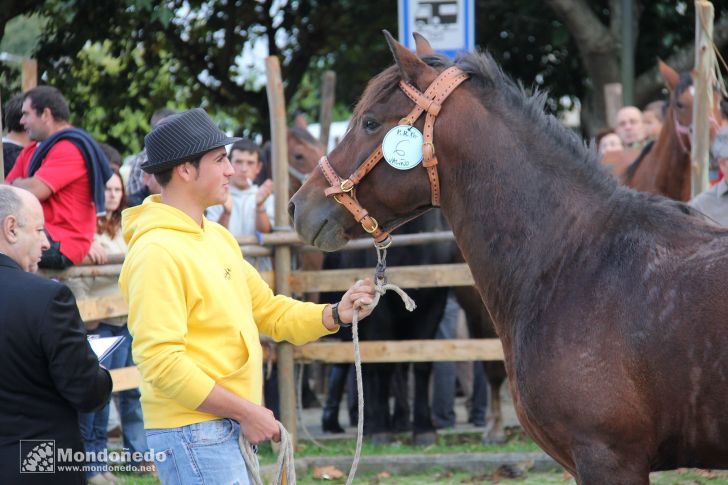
[447, 24]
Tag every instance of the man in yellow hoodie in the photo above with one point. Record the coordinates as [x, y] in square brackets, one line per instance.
[196, 309]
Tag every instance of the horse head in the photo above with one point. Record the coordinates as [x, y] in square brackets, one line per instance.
[665, 168]
[304, 152]
[380, 194]
[680, 108]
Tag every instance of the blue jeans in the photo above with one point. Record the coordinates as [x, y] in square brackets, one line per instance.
[93, 432]
[199, 453]
[93, 425]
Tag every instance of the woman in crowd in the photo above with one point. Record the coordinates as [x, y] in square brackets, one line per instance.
[108, 240]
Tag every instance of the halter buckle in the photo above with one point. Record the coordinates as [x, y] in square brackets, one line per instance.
[346, 185]
[432, 146]
[406, 121]
[372, 230]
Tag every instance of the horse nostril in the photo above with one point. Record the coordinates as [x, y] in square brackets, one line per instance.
[291, 209]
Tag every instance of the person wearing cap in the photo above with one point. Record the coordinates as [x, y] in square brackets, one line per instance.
[141, 185]
[714, 201]
[197, 308]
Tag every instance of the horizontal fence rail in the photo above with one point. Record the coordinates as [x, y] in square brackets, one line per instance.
[440, 275]
[372, 352]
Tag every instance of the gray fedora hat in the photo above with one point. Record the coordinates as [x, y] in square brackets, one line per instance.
[182, 137]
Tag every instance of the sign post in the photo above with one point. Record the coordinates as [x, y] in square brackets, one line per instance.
[449, 25]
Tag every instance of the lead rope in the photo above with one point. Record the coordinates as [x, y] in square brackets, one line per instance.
[284, 464]
[380, 288]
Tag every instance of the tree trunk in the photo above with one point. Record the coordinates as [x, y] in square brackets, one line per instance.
[599, 52]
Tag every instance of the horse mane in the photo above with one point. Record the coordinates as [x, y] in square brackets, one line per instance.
[686, 80]
[502, 94]
[569, 154]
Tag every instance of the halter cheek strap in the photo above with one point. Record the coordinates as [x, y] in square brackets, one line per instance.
[344, 190]
[681, 130]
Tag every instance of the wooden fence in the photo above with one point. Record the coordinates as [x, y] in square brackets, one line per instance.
[442, 275]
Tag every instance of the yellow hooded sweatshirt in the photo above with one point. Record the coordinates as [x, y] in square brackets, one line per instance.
[195, 310]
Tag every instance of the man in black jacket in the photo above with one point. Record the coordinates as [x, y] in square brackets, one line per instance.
[48, 372]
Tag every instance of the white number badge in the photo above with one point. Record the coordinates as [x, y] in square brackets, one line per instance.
[402, 147]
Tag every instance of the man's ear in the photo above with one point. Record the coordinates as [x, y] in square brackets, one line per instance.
[47, 115]
[186, 171]
[10, 228]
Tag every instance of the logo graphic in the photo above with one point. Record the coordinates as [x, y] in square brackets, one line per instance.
[37, 456]
[227, 273]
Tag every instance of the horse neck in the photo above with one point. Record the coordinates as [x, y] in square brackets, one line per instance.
[672, 175]
[517, 215]
[665, 169]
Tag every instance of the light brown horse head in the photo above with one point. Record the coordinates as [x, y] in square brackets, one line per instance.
[304, 152]
[681, 103]
[666, 168]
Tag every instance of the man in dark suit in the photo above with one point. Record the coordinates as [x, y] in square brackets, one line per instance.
[48, 372]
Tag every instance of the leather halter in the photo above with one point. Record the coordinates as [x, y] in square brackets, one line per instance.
[680, 131]
[344, 190]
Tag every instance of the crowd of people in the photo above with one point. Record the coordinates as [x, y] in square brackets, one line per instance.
[196, 308]
[634, 128]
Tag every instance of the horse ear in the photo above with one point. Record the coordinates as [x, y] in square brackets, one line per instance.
[669, 75]
[423, 46]
[409, 64]
[299, 121]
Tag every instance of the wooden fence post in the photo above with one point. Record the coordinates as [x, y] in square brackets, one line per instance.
[612, 102]
[704, 84]
[29, 77]
[2, 158]
[282, 255]
[328, 85]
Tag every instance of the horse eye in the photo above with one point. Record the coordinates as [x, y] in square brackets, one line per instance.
[370, 125]
[298, 157]
[679, 105]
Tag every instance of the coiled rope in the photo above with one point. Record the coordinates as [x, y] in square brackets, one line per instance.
[284, 465]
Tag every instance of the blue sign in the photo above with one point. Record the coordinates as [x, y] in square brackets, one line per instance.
[449, 25]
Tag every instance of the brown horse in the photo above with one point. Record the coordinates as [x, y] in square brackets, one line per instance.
[304, 151]
[609, 303]
[664, 166]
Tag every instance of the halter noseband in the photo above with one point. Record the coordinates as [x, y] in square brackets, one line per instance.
[344, 190]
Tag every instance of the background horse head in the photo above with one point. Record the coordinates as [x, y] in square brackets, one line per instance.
[608, 302]
[663, 167]
[304, 152]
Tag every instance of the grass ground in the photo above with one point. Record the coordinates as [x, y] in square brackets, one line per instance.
[435, 477]
[453, 443]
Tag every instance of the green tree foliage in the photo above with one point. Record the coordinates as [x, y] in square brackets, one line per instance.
[197, 53]
[22, 36]
[572, 47]
[118, 61]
